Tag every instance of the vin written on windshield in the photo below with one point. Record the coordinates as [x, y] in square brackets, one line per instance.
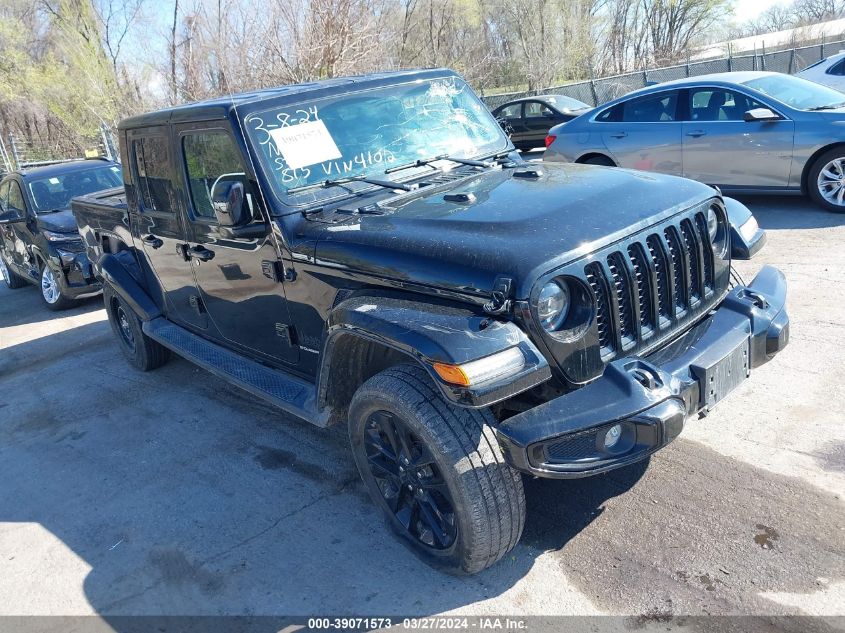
[363, 134]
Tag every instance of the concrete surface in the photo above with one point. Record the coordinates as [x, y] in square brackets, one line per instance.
[172, 492]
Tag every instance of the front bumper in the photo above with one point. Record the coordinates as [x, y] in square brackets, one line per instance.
[649, 399]
[77, 278]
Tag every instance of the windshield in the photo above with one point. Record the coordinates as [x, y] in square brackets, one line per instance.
[55, 192]
[364, 133]
[796, 92]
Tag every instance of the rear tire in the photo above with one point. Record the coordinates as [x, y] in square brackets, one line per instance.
[604, 161]
[12, 279]
[447, 492]
[140, 350]
[826, 180]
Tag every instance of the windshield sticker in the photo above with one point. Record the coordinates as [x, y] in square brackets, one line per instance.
[305, 144]
[54, 181]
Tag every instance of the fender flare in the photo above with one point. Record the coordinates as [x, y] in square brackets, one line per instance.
[742, 247]
[118, 276]
[430, 332]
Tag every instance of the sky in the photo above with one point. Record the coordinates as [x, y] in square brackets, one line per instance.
[745, 10]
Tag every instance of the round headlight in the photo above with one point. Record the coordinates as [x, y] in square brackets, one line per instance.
[712, 224]
[553, 305]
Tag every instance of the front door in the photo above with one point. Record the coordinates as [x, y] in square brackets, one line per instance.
[234, 274]
[158, 227]
[538, 118]
[20, 235]
[721, 148]
[645, 133]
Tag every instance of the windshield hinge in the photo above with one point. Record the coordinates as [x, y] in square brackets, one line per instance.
[501, 297]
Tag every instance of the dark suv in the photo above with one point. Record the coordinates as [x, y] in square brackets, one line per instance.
[39, 240]
[373, 251]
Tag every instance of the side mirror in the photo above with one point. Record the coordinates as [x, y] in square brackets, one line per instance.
[227, 200]
[760, 114]
[11, 217]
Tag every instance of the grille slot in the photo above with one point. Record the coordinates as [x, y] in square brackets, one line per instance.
[622, 289]
[651, 285]
[643, 282]
[596, 280]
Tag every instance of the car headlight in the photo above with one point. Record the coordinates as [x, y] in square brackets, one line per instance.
[712, 224]
[553, 305]
[61, 237]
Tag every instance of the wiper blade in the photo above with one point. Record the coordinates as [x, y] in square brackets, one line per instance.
[830, 106]
[323, 184]
[422, 162]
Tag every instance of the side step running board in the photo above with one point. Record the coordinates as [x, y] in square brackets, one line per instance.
[292, 395]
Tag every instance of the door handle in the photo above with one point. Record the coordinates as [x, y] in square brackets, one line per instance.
[152, 241]
[200, 253]
[619, 135]
[696, 133]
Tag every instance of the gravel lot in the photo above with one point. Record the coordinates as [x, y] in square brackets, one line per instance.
[172, 492]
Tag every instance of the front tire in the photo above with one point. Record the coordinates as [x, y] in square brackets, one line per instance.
[140, 350]
[436, 471]
[826, 180]
[12, 279]
[51, 289]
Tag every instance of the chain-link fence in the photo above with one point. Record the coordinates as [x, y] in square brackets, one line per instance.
[596, 91]
[19, 152]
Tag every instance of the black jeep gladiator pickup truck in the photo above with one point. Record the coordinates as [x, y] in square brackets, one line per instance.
[373, 251]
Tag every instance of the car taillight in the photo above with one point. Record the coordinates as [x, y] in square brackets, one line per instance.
[550, 139]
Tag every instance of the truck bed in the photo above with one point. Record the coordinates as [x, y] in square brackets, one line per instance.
[103, 220]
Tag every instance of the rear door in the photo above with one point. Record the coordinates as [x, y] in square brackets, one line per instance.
[245, 303]
[510, 118]
[721, 148]
[644, 132]
[158, 227]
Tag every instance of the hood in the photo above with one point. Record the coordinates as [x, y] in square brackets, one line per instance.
[512, 226]
[60, 222]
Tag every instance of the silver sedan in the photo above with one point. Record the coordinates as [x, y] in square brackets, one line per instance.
[745, 132]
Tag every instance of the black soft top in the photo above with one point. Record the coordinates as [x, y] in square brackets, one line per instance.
[223, 107]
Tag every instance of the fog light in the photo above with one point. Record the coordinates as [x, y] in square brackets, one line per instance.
[612, 436]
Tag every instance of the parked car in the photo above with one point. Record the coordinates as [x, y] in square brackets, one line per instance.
[39, 240]
[375, 253]
[745, 132]
[527, 121]
[830, 72]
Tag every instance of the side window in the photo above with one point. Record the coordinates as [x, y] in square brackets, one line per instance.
[16, 202]
[660, 107]
[713, 104]
[611, 114]
[510, 112]
[152, 167]
[837, 69]
[4, 195]
[537, 109]
[210, 156]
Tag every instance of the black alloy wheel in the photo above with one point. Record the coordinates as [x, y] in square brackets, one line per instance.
[410, 481]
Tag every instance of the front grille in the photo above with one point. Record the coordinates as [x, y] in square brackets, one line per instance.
[644, 288]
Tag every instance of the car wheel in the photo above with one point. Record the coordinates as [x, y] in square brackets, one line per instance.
[13, 280]
[604, 161]
[436, 471]
[51, 290]
[140, 350]
[826, 181]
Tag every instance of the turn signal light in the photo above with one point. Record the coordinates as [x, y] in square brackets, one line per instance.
[487, 369]
[550, 139]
